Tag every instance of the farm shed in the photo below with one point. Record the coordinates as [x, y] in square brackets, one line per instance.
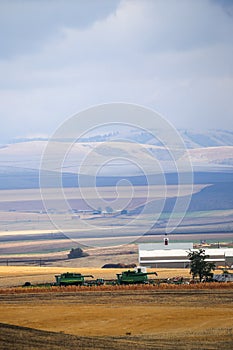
[176, 255]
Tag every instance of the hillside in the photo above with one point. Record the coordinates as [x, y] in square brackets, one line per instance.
[126, 158]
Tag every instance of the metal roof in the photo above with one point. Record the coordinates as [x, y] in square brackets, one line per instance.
[162, 246]
[220, 252]
[176, 261]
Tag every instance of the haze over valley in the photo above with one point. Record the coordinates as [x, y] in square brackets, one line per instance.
[24, 215]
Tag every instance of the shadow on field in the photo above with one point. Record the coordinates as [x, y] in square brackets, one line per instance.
[21, 338]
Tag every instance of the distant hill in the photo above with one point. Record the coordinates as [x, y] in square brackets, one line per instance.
[125, 157]
[210, 152]
[218, 196]
[210, 138]
[192, 138]
[19, 178]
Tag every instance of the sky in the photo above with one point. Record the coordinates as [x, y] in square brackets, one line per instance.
[60, 57]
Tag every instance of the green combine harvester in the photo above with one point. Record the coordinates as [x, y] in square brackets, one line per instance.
[134, 276]
[71, 279]
[137, 276]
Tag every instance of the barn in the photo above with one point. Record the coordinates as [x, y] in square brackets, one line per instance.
[175, 255]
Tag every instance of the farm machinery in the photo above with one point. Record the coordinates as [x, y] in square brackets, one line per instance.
[129, 277]
[69, 278]
[136, 276]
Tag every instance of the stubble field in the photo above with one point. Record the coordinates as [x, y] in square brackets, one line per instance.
[113, 318]
[120, 319]
[13, 276]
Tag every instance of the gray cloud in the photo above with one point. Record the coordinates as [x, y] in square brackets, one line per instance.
[26, 25]
[173, 56]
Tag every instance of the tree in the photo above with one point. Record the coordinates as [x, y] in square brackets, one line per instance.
[77, 253]
[199, 266]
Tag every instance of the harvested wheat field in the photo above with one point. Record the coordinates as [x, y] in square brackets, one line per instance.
[11, 276]
[118, 319]
[112, 317]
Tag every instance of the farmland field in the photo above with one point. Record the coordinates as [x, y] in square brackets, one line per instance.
[148, 317]
[27, 232]
[120, 319]
[17, 275]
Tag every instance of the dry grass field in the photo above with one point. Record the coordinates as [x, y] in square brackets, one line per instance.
[131, 317]
[11, 276]
[118, 319]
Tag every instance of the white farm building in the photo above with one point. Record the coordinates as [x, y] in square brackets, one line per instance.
[176, 255]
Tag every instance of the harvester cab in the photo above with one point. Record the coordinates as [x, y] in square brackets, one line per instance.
[136, 276]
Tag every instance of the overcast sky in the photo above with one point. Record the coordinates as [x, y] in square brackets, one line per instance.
[58, 57]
